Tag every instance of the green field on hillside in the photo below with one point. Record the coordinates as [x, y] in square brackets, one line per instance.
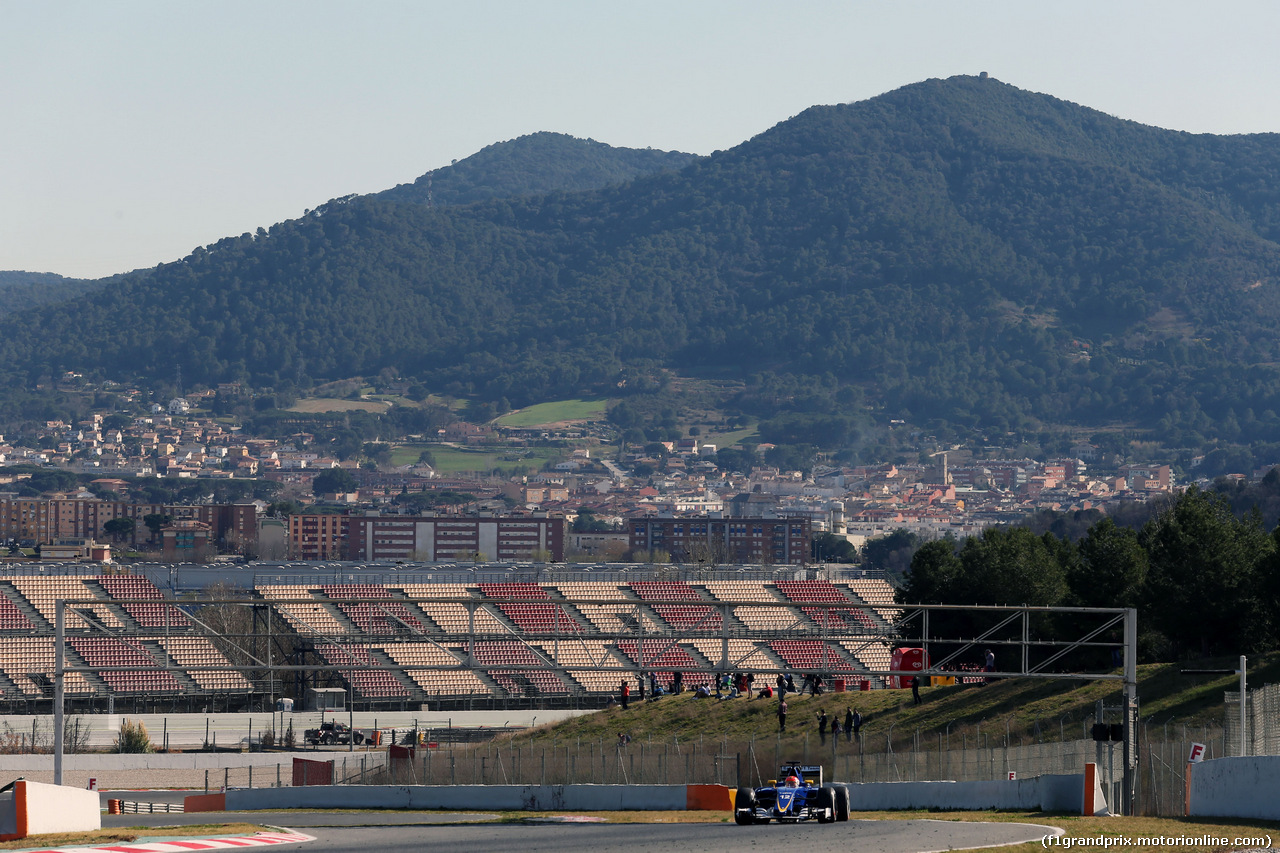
[451, 461]
[730, 439]
[546, 414]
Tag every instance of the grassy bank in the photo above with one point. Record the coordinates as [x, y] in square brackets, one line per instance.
[1025, 707]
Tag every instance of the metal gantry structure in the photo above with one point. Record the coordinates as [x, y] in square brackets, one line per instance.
[1092, 644]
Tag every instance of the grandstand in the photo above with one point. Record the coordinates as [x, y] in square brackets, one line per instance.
[396, 641]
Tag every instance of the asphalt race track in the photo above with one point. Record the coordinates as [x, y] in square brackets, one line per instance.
[395, 831]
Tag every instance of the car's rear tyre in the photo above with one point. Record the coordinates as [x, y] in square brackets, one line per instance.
[826, 804]
[842, 802]
[359, 738]
[744, 807]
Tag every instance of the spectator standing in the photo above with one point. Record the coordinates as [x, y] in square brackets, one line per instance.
[624, 691]
[857, 725]
[848, 724]
[782, 685]
[835, 731]
[989, 665]
[915, 689]
[822, 726]
[782, 715]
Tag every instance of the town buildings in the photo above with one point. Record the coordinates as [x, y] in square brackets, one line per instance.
[702, 539]
[377, 538]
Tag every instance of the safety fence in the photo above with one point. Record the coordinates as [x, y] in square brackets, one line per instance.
[1262, 719]
[1159, 780]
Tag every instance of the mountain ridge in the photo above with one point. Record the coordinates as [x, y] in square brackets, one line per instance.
[958, 251]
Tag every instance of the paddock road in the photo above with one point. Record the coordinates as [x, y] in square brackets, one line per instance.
[410, 832]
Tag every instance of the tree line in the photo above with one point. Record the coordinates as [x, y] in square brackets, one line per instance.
[1204, 580]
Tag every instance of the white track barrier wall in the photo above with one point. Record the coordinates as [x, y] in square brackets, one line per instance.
[92, 761]
[494, 797]
[33, 808]
[1235, 787]
[1057, 793]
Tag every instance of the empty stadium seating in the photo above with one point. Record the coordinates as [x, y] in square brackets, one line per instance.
[29, 662]
[11, 618]
[146, 614]
[142, 673]
[811, 654]
[434, 682]
[682, 617]
[191, 653]
[534, 680]
[43, 592]
[374, 617]
[826, 593]
[530, 639]
[367, 683]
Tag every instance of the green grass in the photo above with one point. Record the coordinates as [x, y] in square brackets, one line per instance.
[546, 414]
[455, 460]
[730, 439]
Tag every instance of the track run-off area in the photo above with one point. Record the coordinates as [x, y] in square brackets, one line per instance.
[359, 832]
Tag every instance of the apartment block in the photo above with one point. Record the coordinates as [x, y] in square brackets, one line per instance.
[765, 541]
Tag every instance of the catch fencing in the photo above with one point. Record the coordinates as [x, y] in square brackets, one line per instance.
[1262, 719]
[969, 756]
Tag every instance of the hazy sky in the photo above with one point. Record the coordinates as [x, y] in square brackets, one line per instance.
[132, 131]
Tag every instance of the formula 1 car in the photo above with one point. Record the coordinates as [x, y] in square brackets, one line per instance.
[797, 794]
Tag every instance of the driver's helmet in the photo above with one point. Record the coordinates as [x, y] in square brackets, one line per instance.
[793, 781]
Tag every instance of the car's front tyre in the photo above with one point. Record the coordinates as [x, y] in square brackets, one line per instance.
[825, 804]
[842, 802]
[744, 807]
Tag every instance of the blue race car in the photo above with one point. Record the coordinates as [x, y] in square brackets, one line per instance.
[797, 794]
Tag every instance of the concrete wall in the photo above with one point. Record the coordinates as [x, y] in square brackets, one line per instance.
[1235, 787]
[1046, 793]
[166, 761]
[55, 808]
[495, 797]
[38, 809]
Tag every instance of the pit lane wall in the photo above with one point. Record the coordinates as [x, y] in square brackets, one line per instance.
[489, 797]
[1050, 793]
[33, 808]
[1234, 787]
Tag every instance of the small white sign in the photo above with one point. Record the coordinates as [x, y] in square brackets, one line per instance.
[93, 783]
[1013, 775]
[1197, 753]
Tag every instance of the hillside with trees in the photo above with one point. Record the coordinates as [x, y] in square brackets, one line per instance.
[20, 291]
[536, 164]
[1204, 579]
[960, 254]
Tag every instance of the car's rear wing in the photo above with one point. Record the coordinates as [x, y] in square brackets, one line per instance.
[812, 773]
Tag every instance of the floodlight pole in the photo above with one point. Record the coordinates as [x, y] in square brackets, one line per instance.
[59, 675]
[1130, 709]
[1244, 716]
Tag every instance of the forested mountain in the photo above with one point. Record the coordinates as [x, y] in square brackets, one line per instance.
[532, 165]
[22, 290]
[961, 252]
